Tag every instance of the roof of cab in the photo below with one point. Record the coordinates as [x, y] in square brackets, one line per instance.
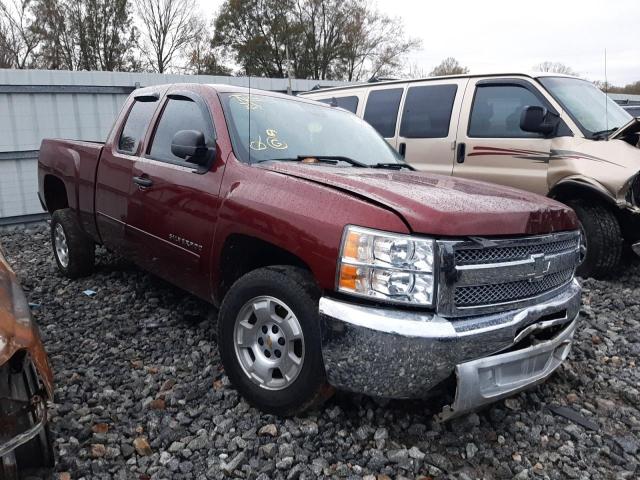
[444, 77]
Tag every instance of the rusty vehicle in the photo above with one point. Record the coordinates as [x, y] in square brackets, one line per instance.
[547, 133]
[334, 263]
[26, 384]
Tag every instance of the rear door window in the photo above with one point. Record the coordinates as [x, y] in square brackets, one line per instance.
[135, 126]
[381, 111]
[427, 111]
[497, 109]
[348, 103]
[178, 114]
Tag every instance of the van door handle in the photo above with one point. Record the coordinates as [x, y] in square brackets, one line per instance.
[402, 149]
[143, 181]
[461, 152]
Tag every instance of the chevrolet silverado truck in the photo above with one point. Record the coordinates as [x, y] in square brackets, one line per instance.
[333, 263]
[26, 383]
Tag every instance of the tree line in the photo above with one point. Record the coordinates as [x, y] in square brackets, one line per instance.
[322, 39]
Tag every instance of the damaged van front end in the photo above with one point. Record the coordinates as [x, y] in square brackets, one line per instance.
[26, 383]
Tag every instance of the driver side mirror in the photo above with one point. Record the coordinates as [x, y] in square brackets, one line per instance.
[537, 119]
[190, 145]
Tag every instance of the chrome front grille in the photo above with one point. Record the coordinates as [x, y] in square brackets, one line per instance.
[510, 291]
[471, 256]
[483, 275]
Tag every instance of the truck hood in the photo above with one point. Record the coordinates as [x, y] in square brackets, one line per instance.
[441, 205]
[632, 127]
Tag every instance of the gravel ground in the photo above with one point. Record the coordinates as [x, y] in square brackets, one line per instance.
[141, 394]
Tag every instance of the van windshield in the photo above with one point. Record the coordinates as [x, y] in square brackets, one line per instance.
[587, 105]
[265, 128]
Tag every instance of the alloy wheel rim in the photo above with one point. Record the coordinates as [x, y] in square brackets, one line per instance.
[269, 343]
[583, 244]
[62, 249]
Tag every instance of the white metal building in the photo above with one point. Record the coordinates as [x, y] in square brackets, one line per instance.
[36, 104]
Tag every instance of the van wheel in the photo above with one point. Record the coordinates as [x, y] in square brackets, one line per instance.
[73, 250]
[602, 239]
[269, 340]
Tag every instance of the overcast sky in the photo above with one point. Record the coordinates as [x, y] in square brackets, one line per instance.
[497, 35]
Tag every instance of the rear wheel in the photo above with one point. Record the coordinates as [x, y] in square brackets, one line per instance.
[269, 340]
[73, 250]
[602, 239]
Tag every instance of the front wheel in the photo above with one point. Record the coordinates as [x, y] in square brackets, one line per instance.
[269, 340]
[602, 239]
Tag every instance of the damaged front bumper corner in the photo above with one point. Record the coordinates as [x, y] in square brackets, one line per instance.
[10, 439]
[394, 353]
[489, 379]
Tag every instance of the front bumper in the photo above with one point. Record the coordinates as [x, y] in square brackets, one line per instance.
[396, 353]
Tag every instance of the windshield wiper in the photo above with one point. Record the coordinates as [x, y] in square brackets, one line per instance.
[603, 133]
[393, 166]
[331, 159]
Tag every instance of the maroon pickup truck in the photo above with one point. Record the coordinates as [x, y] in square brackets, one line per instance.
[332, 262]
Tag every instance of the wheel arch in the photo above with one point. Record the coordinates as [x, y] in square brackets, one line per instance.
[56, 196]
[243, 253]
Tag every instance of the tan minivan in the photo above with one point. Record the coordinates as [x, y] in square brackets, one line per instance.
[551, 134]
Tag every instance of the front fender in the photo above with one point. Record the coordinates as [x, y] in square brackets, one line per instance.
[301, 217]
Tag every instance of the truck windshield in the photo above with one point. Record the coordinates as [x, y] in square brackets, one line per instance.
[266, 128]
[587, 105]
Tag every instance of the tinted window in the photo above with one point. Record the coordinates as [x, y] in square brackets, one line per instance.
[177, 115]
[135, 126]
[633, 111]
[382, 110]
[496, 111]
[427, 111]
[348, 103]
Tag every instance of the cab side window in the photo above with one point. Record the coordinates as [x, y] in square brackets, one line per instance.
[135, 126]
[496, 111]
[178, 114]
[348, 103]
[427, 111]
[381, 111]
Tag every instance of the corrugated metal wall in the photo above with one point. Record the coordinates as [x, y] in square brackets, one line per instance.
[37, 104]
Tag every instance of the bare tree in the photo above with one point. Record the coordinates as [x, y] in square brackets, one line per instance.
[449, 66]
[168, 28]
[555, 67]
[374, 44]
[18, 36]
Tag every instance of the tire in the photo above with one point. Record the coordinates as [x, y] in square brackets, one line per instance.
[35, 456]
[66, 235]
[283, 290]
[603, 235]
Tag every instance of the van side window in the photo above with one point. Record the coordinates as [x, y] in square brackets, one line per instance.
[348, 103]
[381, 111]
[496, 111]
[427, 111]
[182, 114]
[135, 126]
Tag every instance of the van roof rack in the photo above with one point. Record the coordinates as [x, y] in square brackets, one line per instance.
[375, 79]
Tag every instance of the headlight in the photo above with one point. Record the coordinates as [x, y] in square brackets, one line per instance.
[386, 266]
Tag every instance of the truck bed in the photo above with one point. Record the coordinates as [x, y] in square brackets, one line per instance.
[75, 162]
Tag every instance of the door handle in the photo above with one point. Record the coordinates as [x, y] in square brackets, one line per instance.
[142, 181]
[461, 152]
[402, 149]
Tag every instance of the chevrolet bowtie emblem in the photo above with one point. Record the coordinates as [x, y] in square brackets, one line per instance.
[540, 267]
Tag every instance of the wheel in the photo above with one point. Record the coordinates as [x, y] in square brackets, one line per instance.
[602, 239]
[269, 340]
[18, 380]
[73, 250]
